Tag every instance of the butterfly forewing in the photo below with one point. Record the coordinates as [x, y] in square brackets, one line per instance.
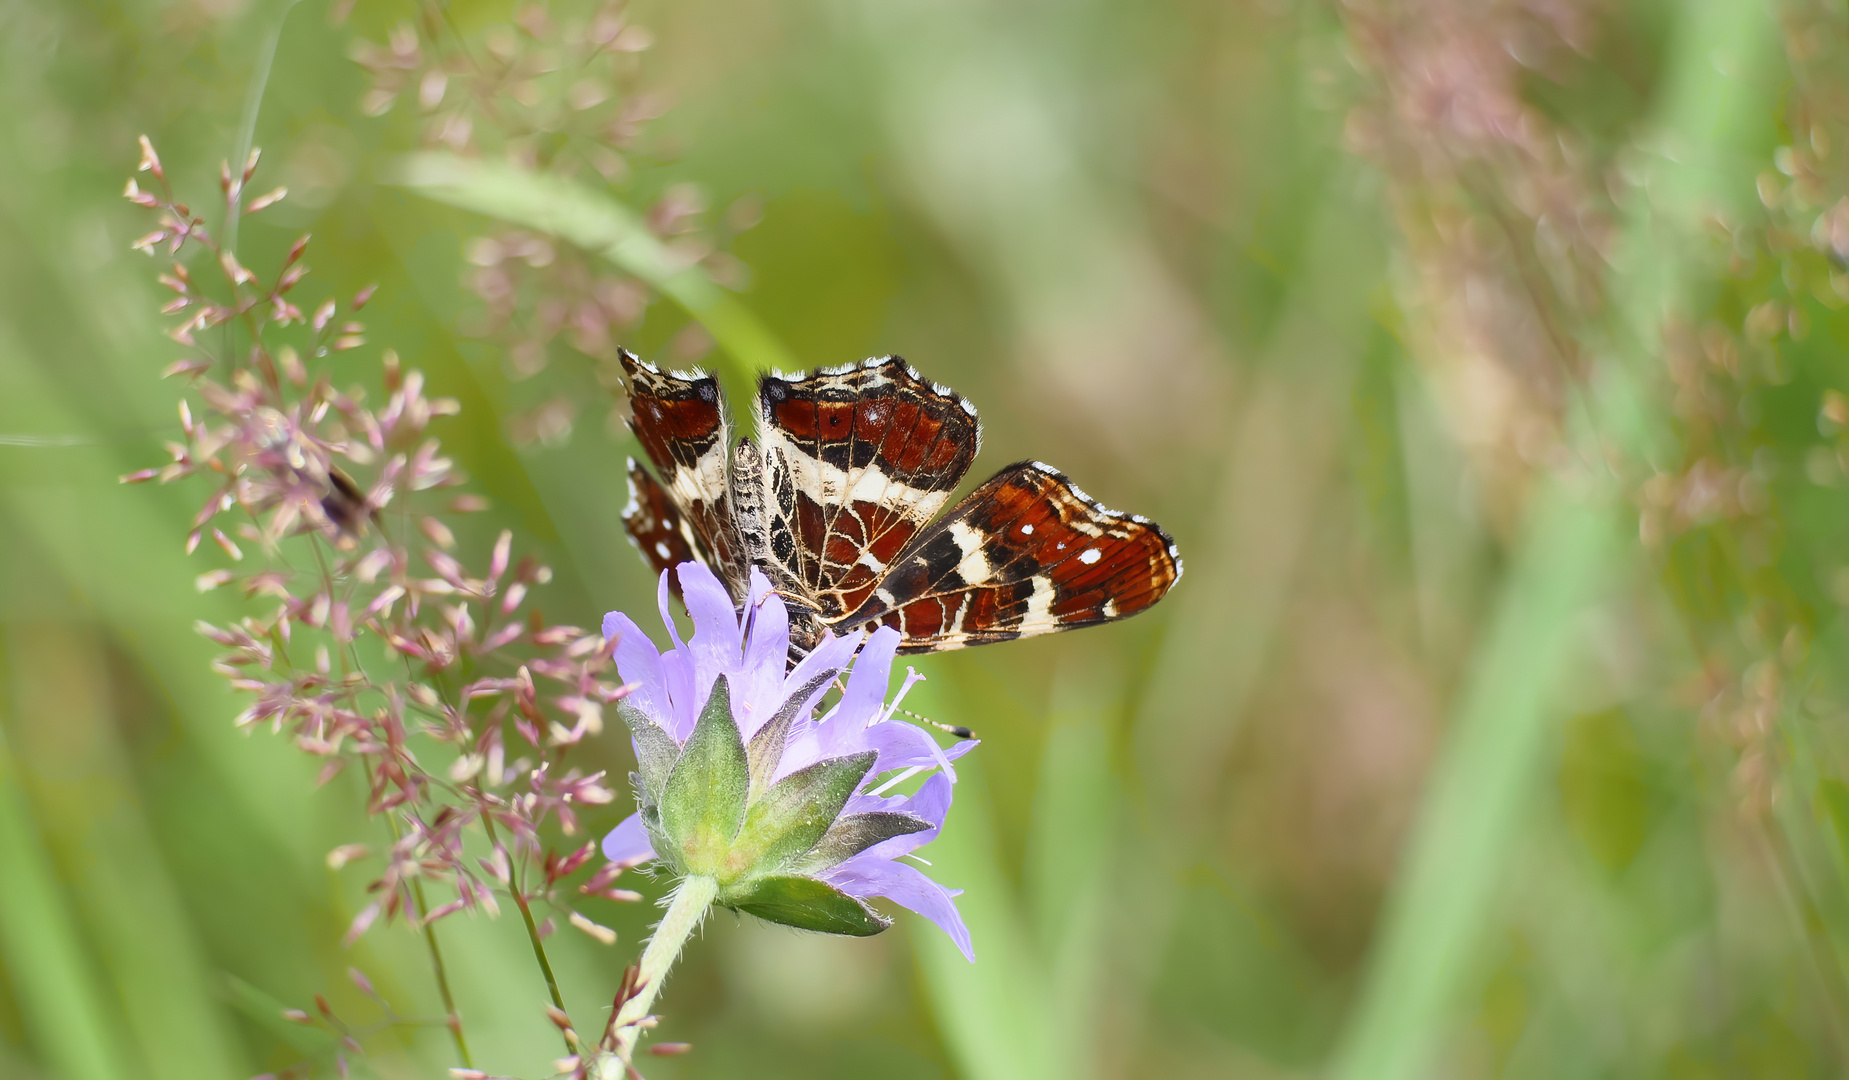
[1027, 553]
[680, 420]
[856, 461]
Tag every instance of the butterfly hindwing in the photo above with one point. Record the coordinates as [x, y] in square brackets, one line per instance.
[1027, 553]
[656, 526]
[856, 461]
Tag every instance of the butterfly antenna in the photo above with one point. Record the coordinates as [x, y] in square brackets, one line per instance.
[959, 732]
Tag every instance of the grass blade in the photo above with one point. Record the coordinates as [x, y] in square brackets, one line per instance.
[1712, 108]
[64, 1008]
[598, 223]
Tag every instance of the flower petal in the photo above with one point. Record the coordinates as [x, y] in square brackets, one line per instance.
[677, 676]
[833, 653]
[758, 684]
[842, 730]
[906, 886]
[639, 663]
[628, 842]
[716, 644]
[865, 696]
[769, 639]
[902, 745]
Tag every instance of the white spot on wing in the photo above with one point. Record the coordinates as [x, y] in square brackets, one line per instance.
[634, 506]
[974, 567]
[1039, 616]
[1089, 556]
[662, 549]
[968, 407]
[1027, 530]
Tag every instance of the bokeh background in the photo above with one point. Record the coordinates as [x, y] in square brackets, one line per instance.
[1483, 356]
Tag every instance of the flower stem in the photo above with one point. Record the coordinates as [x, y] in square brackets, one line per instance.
[451, 1018]
[685, 911]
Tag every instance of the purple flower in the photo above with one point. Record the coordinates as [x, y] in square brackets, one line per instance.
[741, 782]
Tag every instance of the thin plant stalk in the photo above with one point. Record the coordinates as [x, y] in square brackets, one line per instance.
[452, 1019]
[532, 936]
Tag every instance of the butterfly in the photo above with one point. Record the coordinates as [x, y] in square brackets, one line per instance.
[834, 500]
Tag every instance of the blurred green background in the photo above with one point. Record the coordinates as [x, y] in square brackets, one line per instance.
[1483, 358]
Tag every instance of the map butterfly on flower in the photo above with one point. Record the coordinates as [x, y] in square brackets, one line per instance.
[834, 501]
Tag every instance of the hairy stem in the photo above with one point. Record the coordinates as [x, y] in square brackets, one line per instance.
[451, 1018]
[685, 911]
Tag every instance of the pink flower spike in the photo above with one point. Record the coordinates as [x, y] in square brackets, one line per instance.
[359, 925]
[503, 547]
[225, 542]
[504, 636]
[150, 161]
[266, 200]
[444, 909]
[235, 270]
[437, 532]
[515, 593]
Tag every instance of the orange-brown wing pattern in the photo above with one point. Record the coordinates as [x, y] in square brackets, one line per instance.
[1027, 553]
[856, 460]
[680, 420]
